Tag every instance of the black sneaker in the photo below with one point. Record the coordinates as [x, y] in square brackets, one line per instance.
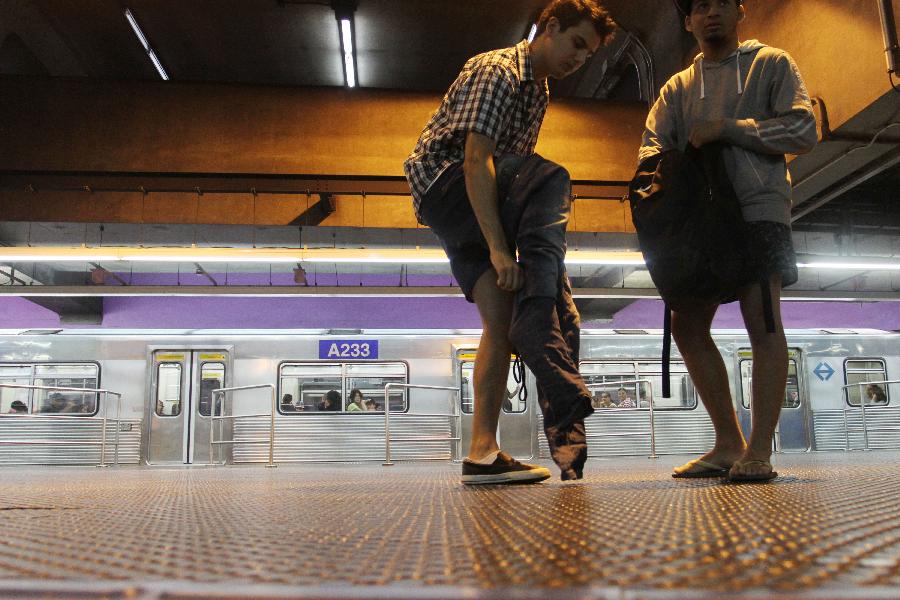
[504, 469]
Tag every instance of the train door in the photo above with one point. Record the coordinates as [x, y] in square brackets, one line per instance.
[515, 429]
[792, 431]
[179, 407]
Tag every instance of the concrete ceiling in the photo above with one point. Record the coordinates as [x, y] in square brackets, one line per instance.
[414, 46]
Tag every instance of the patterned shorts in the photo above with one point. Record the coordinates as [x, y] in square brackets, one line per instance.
[771, 250]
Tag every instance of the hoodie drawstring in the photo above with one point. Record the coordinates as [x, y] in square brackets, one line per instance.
[740, 79]
[702, 82]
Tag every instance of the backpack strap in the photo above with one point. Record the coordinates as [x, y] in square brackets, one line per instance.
[766, 292]
[666, 351]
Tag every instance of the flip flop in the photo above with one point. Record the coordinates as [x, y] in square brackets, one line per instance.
[709, 470]
[760, 478]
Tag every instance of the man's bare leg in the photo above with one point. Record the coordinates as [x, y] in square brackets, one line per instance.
[691, 330]
[770, 366]
[491, 363]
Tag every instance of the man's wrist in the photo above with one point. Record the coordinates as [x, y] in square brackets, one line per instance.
[732, 130]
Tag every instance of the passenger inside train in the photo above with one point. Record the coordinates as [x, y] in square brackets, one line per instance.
[287, 403]
[331, 401]
[875, 394]
[623, 400]
[603, 400]
[17, 408]
[357, 402]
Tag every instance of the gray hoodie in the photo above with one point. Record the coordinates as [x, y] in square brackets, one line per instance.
[760, 95]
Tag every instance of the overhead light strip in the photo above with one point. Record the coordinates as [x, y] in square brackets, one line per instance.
[586, 258]
[347, 47]
[146, 44]
[849, 266]
[276, 255]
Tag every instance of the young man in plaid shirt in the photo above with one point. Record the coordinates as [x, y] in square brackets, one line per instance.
[477, 183]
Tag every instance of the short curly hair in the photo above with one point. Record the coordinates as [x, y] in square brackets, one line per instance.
[570, 13]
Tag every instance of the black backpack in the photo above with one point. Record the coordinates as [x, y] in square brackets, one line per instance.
[692, 233]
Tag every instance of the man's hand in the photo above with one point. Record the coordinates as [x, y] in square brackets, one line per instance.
[510, 277]
[705, 132]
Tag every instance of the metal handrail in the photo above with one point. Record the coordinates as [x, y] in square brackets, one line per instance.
[454, 413]
[106, 393]
[607, 384]
[214, 417]
[862, 406]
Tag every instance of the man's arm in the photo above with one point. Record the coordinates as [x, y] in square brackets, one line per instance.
[660, 128]
[481, 187]
[791, 131]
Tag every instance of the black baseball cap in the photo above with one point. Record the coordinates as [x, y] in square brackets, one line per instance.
[684, 6]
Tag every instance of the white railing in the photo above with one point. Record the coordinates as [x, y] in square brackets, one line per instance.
[453, 414]
[218, 418]
[618, 384]
[862, 406]
[103, 420]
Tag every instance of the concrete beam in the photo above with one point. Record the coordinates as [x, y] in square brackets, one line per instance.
[153, 127]
[89, 151]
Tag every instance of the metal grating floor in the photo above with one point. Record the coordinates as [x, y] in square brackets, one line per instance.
[828, 527]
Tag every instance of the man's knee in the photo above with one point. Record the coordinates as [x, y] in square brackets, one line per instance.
[689, 330]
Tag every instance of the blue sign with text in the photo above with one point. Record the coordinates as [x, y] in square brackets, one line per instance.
[824, 371]
[358, 349]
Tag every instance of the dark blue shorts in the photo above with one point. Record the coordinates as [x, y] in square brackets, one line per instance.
[772, 250]
[447, 211]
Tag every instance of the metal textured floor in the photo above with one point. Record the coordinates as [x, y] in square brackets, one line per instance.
[828, 527]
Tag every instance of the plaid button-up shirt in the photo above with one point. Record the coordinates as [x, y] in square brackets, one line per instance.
[494, 95]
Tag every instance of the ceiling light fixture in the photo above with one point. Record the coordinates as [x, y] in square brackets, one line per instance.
[146, 44]
[343, 11]
[825, 265]
[105, 254]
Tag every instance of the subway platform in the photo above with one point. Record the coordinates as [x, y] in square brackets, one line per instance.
[828, 527]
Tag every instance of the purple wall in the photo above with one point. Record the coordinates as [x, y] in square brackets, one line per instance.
[17, 313]
[795, 315]
[387, 313]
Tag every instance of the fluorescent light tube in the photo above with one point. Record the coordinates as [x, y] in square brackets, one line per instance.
[347, 43]
[849, 266]
[137, 29]
[146, 44]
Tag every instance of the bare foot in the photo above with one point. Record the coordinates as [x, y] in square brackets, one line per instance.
[752, 466]
[715, 462]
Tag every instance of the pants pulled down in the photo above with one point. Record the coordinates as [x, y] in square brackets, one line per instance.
[545, 327]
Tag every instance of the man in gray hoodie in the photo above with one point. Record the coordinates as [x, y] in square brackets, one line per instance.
[750, 97]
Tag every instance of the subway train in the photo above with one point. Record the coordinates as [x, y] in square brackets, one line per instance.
[298, 408]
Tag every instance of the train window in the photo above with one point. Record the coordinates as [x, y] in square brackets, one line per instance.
[467, 393]
[312, 387]
[862, 371]
[15, 400]
[212, 377]
[325, 387]
[630, 385]
[792, 389]
[681, 388]
[168, 389]
[512, 404]
[370, 379]
[609, 384]
[66, 375]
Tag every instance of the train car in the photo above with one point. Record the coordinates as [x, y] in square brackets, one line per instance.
[297, 403]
